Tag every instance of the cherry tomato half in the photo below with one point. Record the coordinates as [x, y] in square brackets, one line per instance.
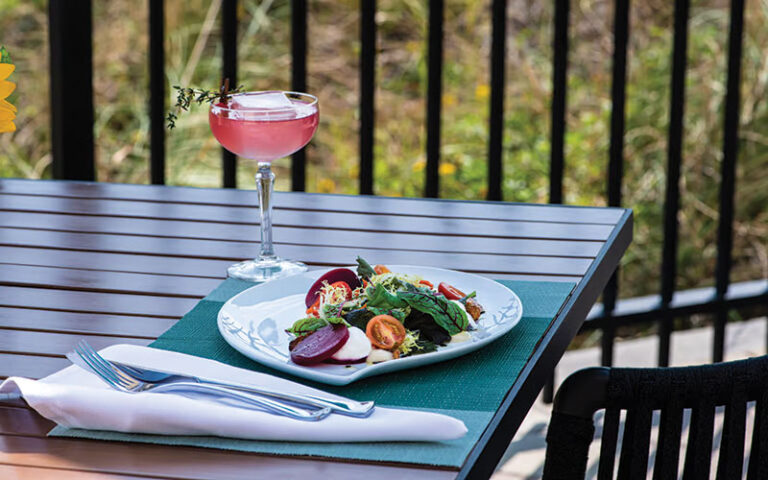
[427, 283]
[379, 269]
[385, 331]
[450, 292]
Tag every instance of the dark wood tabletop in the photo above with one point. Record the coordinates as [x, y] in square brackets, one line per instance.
[122, 263]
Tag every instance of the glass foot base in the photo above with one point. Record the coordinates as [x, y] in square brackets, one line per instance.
[265, 270]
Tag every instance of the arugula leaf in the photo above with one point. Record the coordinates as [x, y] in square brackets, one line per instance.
[306, 325]
[379, 297]
[427, 328]
[423, 346]
[415, 345]
[359, 318]
[364, 269]
[445, 313]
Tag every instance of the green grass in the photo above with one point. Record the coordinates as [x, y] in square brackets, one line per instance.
[193, 53]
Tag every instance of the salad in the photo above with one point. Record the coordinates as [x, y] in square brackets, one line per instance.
[375, 315]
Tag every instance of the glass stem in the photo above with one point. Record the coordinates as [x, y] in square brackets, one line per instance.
[265, 181]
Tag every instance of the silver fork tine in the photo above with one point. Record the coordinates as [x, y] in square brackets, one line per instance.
[86, 353]
[119, 373]
[76, 358]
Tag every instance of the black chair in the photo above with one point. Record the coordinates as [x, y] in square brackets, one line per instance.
[640, 391]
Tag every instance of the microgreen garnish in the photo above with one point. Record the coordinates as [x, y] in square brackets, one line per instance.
[186, 96]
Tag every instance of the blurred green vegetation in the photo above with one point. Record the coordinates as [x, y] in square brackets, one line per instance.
[193, 58]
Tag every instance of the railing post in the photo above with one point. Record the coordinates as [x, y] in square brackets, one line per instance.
[367, 93]
[71, 77]
[674, 159]
[496, 124]
[728, 175]
[299, 83]
[434, 97]
[157, 91]
[616, 156]
[229, 70]
[559, 92]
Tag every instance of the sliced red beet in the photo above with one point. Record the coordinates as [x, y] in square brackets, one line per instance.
[336, 275]
[319, 345]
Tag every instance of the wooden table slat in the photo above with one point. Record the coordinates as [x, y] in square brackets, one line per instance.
[188, 462]
[296, 236]
[56, 344]
[17, 472]
[350, 221]
[324, 255]
[116, 303]
[84, 323]
[30, 366]
[109, 282]
[157, 265]
[358, 203]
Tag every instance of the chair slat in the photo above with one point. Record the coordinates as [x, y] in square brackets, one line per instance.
[758, 455]
[730, 462]
[668, 449]
[608, 443]
[633, 464]
[699, 451]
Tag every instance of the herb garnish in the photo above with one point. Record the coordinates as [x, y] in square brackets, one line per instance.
[310, 324]
[186, 96]
[364, 269]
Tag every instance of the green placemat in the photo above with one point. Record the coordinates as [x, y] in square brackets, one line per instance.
[469, 388]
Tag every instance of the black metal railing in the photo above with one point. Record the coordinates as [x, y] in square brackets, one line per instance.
[73, 158]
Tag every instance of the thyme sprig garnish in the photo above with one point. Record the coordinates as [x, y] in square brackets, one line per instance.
[186, 96]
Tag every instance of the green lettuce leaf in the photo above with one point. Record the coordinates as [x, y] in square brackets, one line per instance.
[444, 312]
[380, 297]
[364, 269]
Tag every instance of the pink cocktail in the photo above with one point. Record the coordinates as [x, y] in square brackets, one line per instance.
[263, 137]
[265, 126]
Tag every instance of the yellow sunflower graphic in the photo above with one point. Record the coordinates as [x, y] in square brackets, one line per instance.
[7, 111]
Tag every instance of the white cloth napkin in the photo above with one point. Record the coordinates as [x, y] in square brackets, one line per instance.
[75, 398]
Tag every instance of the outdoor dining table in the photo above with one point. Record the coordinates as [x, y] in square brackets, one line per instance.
[117, 263]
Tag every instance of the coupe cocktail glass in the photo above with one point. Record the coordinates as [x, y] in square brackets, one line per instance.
[265, 126]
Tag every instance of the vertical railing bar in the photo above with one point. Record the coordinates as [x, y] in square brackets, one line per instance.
[367, 92]
[559, 94]
[496, 127]
[616, 153]
[157, 91]
[557, 119]
[728, 173]
[674, 160]
[434, 96]
[70, 34]
[299, 83]
[229, 70]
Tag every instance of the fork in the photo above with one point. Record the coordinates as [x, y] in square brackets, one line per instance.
[125, 383]
[343, 406]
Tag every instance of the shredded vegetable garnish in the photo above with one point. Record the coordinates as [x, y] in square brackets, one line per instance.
[410, 343]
